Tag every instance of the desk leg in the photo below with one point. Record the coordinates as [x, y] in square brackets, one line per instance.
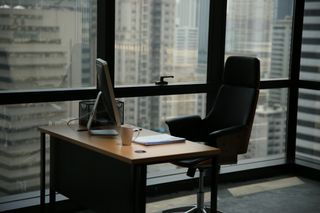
[140, 176]
[214, 184]
[52, 189]
[42, 171]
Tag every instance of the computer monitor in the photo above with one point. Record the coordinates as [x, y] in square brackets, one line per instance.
[106, 101]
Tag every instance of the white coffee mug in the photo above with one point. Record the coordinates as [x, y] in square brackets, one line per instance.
[126, 133]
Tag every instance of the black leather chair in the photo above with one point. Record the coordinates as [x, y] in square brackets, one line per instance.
[228, 124]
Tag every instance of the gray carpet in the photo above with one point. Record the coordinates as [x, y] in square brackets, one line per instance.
[280, 196]
[276, 195]
[301, 198]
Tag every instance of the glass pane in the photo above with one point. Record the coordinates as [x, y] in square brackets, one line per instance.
[268, 136]
[310, 53]
[165, 37]
[261, 28]
[308, 128]
[20, 145]
[47, 44]
[151, 113]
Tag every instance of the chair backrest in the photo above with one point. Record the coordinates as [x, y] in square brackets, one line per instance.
[237, 98]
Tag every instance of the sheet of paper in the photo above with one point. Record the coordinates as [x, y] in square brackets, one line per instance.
[158, 139]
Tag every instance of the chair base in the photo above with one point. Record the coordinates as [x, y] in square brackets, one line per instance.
[189, 209]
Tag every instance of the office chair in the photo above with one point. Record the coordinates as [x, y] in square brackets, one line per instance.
[228, 124]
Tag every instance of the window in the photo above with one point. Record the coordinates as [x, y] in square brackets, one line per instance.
[43, 45]
[52, 44]
[263, 29]
[151, 113]
[307, 138]
[51, 47]
[268, 136]
[172, 41]
[310, 55]
[307, 143]
[258, 28]
[20, 144]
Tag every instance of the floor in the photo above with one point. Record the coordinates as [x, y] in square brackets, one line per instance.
[281, 194]
[276, 195]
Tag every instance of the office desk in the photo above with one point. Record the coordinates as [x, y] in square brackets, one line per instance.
[105, 176]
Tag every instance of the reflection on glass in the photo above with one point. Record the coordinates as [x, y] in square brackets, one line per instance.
[154, 38]
[307, 143]
[47, 44]
[261, 28]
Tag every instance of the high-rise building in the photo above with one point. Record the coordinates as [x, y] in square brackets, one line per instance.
[153, 38]
[309, 100]
[249, 27]
[203, 34]
[277, 98]
[38, 49]
[185, 60]
[144, 50]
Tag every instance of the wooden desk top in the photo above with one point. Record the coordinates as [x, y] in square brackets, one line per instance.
[111, 146]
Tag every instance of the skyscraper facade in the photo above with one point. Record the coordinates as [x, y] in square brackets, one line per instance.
[42, 46]
[249, 27]
[33, 54]
[156, 38]
[307, 143]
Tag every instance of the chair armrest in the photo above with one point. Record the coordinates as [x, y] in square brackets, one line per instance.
[231, 141]
[226, 131]
[188, 127]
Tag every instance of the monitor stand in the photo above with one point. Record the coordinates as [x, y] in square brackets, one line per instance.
[108, 131]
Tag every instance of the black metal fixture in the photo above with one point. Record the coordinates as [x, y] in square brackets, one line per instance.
[162, 81]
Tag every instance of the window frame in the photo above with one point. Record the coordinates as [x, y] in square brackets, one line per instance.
[216, 51]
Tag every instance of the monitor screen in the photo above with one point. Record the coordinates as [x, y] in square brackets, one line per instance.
[106, 112]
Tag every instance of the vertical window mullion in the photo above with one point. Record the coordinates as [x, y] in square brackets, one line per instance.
[216, 47]
[294, 78]
[106, 33]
